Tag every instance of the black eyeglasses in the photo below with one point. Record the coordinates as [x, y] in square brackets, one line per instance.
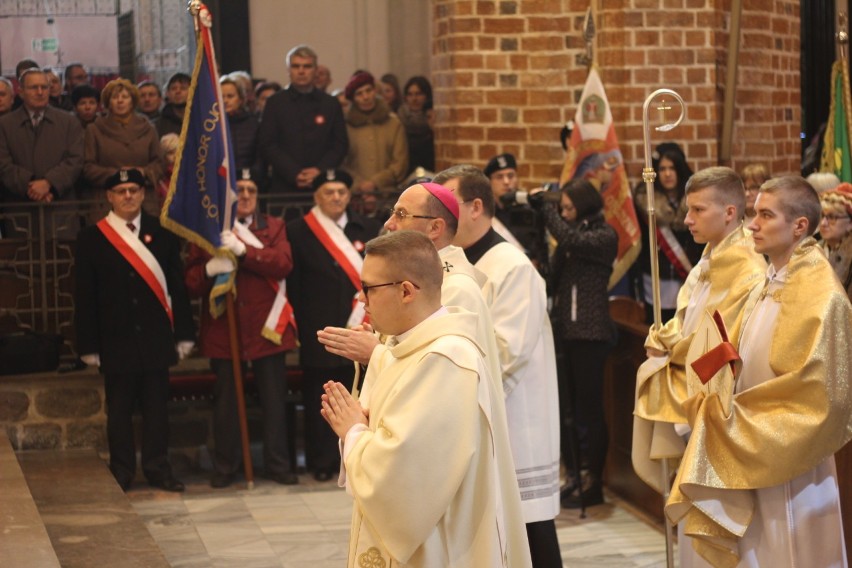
[366, 289]
[401, 215]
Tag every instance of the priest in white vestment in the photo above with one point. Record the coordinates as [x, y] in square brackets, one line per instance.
[425, 455]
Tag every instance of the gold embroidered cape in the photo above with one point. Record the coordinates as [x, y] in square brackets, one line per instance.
[734, 271]
[781, 428]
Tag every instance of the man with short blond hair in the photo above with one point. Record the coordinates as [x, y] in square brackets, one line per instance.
[427, 399]
[757, 485]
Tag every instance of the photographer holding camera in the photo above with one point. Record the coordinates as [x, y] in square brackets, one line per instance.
[514, 220]
[579, 272]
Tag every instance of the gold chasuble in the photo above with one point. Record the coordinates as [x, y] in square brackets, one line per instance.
[733, 272]
[779, 428]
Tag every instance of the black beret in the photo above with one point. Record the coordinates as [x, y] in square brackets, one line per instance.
[500, 162]
[332, 174]
[131, 175]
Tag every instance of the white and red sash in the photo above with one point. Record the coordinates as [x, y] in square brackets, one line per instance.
[673, 251]
[335, 241]
[114, 228]
[281, 315]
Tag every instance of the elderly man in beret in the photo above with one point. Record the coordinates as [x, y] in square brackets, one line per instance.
[328, 246]
[133, 321]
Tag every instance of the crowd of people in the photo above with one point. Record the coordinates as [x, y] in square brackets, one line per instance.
[478, 322]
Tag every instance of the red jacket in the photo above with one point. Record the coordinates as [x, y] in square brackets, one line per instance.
[254, 293]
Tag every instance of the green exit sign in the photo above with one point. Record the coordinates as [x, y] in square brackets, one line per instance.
[46, 44]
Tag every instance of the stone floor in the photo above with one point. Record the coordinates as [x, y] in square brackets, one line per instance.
[308, 526]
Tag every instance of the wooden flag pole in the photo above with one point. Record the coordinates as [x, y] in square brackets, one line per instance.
[238, 387]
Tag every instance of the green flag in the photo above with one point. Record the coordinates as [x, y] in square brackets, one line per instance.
[836, 155]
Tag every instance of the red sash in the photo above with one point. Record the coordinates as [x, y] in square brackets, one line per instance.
[138, 265]
[332, 249]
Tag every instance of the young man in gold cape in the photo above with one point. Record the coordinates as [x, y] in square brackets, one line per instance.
[728, 271]
[757, 484]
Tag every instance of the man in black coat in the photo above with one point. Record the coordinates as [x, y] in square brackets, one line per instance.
[328, 245]
[302, 131]
[133, 320]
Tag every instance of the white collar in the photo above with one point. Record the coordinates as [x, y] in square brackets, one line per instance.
[397, 339]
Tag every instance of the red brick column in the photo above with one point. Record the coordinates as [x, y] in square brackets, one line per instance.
[507, 77]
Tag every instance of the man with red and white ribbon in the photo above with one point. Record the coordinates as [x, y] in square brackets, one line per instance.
[328, 247]
[266, 326]
[133, 320]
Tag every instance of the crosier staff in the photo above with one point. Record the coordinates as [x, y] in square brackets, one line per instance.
[648, 176]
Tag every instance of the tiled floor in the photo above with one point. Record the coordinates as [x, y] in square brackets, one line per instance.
[308, 526]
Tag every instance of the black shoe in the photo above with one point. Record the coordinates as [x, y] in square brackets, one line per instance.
[592, 496]
[168, 484]
[220, 480]
[285, 478]
[323, 475]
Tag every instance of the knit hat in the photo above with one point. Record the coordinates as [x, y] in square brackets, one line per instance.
[356, 82]
[840, 198]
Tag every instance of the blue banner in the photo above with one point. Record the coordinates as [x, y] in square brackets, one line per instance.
[201, 198]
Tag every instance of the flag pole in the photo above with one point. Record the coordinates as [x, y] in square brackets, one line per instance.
[203, 22]
[648, 176]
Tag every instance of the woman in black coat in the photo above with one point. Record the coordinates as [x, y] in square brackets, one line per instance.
[242, 123]
[579, 274]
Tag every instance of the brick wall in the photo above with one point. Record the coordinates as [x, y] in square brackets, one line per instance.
[506, 78]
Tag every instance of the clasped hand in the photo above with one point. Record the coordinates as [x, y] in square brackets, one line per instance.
[341, 410]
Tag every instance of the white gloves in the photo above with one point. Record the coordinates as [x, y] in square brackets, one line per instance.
[218, 265]
[184, 348]
[92, 359]
[232, 243]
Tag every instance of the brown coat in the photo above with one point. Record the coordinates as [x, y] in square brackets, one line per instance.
[54, 153]
[111, 145]
[378, 148]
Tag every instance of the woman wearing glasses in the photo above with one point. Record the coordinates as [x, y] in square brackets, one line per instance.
[835, 228]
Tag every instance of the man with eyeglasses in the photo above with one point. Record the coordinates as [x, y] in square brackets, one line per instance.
[425, 448]
[515, 295]
[328, 248]
[41, 147]
[266, 326]
[431, 209]
[133, 321]
[302, 132]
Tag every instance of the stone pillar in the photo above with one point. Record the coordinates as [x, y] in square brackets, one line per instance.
[507, 76]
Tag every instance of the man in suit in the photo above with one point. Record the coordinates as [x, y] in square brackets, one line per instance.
[302, 132]
[328, 245]
[133, 320]
[41, 147]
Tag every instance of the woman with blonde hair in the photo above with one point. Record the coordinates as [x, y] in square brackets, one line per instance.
[754, 175]
[122, 139]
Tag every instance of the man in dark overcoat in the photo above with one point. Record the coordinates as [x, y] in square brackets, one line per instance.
[133, 320]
